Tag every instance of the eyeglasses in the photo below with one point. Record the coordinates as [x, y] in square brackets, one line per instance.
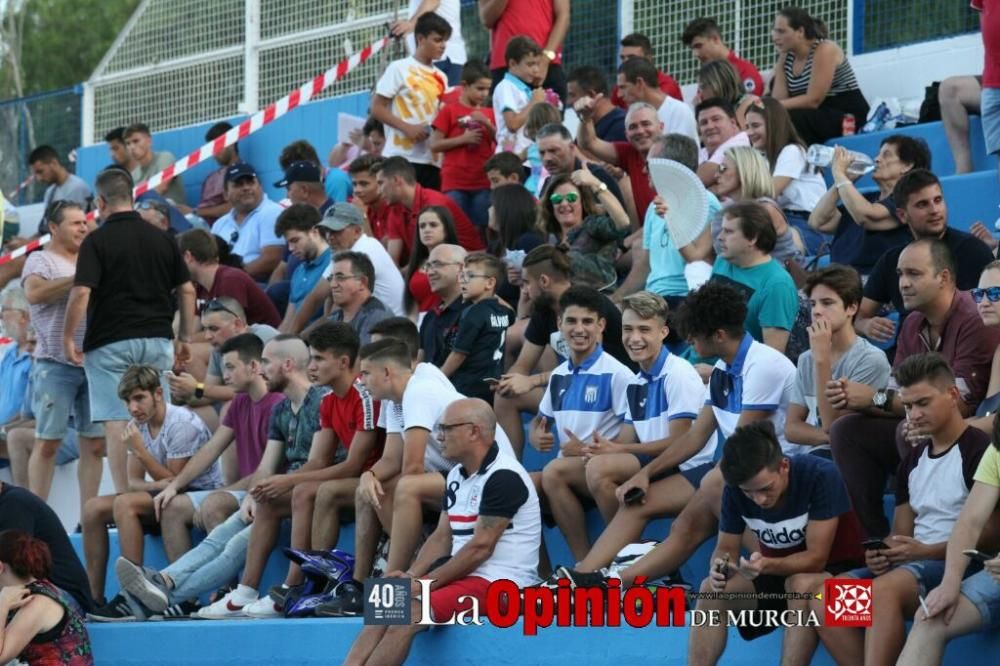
[438, 265]
[465, 277]
[215, 305]
[342, 277]
[992, 293]
[571, 197]
[442, 429]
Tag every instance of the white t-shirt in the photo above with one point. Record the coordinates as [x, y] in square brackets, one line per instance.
[806, 186]
[388, 279]
[414, 91]
[677, 118]
[511, 94]
[450, 11]
[740, 139]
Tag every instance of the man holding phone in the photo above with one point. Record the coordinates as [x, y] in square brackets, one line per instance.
[932, 483]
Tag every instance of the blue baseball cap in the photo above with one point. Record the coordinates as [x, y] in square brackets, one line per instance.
[300, 172]
[239, 170]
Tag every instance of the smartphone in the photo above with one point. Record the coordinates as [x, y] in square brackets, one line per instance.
[977, 555]
[874, 544]
[634, 496]
[723, 566]
[491, 380]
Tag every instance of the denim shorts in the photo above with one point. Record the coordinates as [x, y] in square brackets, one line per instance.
[59, 391]
[927, 572]
[984, 593]
[106, 365]
[989, 106]
[198, 496]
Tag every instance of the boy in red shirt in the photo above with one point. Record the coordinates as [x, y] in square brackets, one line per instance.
[465, 131]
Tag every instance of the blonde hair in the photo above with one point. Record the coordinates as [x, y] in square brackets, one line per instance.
[754, 172]
[647, 305]
[539, 116]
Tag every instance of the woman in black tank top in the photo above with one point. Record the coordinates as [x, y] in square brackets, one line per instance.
[813, 79]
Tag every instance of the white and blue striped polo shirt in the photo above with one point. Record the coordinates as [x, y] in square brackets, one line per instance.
[672, 389]
[587, 398]
[761, 379]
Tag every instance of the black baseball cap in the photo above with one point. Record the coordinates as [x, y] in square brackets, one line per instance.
[239, 170]
[300, 172]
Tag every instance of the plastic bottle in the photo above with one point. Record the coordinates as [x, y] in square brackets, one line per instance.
[879, 119]
[821, 156]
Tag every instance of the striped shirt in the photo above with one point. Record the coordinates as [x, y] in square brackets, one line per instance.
[759, 379]
[672, 389]
[587, 398]
[797, 84]
[49, 318]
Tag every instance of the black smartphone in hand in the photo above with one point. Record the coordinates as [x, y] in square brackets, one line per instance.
[634, 496]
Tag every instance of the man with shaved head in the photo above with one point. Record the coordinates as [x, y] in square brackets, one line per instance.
[440, 325]
[290, 453]
[490, 529]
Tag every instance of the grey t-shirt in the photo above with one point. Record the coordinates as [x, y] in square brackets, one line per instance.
[262, 331]
[161, 160]
[75, 189]
[863, 362]
[372, 312]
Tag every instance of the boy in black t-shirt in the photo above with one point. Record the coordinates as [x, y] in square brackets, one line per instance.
[477, 353]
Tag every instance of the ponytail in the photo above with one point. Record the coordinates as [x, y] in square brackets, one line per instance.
[800, 18]
[26, 556]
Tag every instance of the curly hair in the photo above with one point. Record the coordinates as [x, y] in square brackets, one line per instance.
[713, 306]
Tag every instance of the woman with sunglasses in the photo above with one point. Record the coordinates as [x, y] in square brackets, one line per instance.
[798, 186]
[987, 298]
[744, 175]
[591, 235]
[435, 226]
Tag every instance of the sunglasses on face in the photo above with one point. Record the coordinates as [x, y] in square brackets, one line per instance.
[992, 293]
[571, 197]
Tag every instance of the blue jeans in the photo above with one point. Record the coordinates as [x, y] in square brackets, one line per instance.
[106, 365]
[211, 563]
[474, 203]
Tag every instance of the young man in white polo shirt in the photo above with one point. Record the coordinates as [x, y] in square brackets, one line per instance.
[586, 396]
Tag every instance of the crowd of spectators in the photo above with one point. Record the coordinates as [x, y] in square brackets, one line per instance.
[378, 346]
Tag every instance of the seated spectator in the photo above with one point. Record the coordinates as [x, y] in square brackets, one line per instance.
[440, 325]
[213, 280]
[719, 79]
[932, 484]
[351, 285]
[609, 118]
[957, 607]
[465, 132]
[744, 177]
[367, 197]
[719, 132]
[513, 221]
[336, 183]
[156, 213]
[558, 155]
[397, 182]
[802, 497]
[570, 215]
[865, 225]
[15, 358]
[704, 38]
[920, 205]
[504, 169]
[745, 262]
[959, 96]
[835, 352]
[23, 511]
[636, 80]
[139, 143]
[798, 185]
[303, 181]
[540, 116]
[42, 624]
[867, 443]
[657, 265]
[119, 153]
[435, 226]
[989, 312]
[297, 224]
[369, 141]
[161, 439]
[817, 104]
[636, 46]
[245, 423]
[504, 543]
[62, 185]
[213, 203]
[476, 350]
[249, 226]
[517, 93]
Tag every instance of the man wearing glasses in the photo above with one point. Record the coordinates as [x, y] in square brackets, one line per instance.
[351, 285]
[440, 324]
[249, 226]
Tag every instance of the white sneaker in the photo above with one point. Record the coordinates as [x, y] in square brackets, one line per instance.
[263, 608]
[228, 606]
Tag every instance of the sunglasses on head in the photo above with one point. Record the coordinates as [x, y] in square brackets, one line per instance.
[571, 197]
[992, 293]
[215, 305]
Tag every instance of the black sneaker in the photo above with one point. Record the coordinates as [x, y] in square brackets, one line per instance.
[182, 611]
[123, 608]
[576, 578]
[348, 601]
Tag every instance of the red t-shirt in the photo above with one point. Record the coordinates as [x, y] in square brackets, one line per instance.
[990, 24]
[234, 283]
[462, 167]
[532, 18]
[634, 164]
[420, 290]
[249, 420]
[355, 412]
[667, 85]
[749, 76]
[378, 219]
[403, 221]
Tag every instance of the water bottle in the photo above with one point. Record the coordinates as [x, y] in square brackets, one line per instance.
[879, 119]
[892, 316]
[821, 156]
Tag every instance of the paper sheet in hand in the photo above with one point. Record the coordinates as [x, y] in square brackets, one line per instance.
[686, 197]
[347, 123]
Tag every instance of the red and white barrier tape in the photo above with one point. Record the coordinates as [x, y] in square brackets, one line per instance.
[274, 111]
[27, 181]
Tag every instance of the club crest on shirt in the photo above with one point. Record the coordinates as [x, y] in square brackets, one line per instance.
[590, 395]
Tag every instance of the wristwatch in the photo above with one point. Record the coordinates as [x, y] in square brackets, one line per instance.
[602, 187]
[550, 54]
[883, 399]
[199, 391]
